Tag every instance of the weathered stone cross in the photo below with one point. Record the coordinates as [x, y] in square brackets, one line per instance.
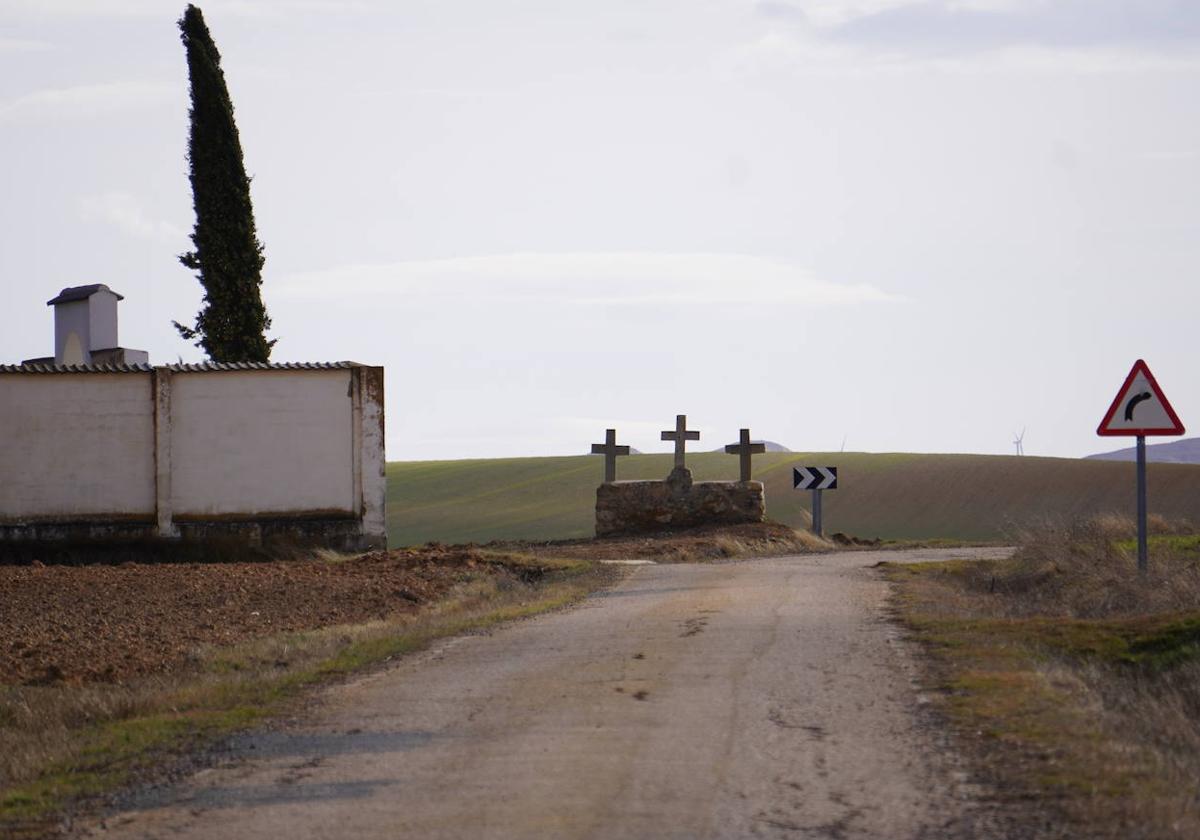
[745, 449]
[680, 435]
[610, 451]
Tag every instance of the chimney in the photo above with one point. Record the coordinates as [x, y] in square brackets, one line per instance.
[85, 328]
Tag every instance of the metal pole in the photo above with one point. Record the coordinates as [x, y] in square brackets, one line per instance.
[1141, 504]
[816, 513]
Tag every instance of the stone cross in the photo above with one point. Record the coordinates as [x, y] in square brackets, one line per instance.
[680, 435]
[745, 449]
[610, 451]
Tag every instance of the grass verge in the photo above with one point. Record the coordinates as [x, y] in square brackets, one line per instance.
[63, 748]
[1073, 682]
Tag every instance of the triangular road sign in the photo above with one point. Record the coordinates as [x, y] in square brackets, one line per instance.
[1141, 408]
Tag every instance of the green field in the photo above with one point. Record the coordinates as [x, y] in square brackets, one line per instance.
[892, 496]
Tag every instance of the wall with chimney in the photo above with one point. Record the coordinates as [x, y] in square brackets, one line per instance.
[257, 454]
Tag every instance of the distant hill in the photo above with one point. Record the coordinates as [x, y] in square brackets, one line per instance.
[1186, 451]
[894, 496]
[771, 445]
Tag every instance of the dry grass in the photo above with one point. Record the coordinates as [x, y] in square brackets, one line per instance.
[1088, 569]
[726, 546]
[809, 541]
[689, 545]
[330, 555]
[1075, 681]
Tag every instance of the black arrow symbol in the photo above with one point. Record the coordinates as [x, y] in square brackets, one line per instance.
[1132, 404]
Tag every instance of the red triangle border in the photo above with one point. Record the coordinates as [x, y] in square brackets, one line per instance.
[1140, 367]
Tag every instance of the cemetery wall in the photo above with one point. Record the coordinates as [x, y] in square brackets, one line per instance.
[256, 454]
[76, 445]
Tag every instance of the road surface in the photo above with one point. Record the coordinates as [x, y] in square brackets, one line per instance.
[760, 698]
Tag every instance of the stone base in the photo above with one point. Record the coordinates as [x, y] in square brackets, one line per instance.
[136, 539]
[626, 507]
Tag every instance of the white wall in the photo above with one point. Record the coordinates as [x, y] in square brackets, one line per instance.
[194, 445]
[76, 445]
[261, 442]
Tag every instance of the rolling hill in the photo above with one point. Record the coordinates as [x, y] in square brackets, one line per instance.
[893, 496]
[1186, 451]
[771, 446]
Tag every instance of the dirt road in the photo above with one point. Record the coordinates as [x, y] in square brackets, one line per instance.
[762, 698]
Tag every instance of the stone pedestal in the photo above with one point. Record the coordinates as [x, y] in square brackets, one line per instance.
[625, 507]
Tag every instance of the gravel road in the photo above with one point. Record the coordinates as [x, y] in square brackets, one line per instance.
[760, 698]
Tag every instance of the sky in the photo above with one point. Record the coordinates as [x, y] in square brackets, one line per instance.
[880, 225]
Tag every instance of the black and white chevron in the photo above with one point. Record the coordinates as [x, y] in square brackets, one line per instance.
[814, 478]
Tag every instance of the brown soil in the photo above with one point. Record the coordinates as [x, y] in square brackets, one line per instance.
[109, 623]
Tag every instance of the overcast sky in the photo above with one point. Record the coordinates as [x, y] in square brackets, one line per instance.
[908, 226]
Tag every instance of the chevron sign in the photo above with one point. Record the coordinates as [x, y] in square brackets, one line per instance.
[814, 478]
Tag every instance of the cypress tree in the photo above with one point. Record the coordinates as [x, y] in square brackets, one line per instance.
[228, 255]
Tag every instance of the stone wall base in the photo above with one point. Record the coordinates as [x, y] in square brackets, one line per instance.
[626, 507]
[199, 540]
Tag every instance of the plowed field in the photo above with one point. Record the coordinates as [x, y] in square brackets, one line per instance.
[105, 623]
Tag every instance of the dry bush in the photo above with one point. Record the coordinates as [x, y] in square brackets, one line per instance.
[729, 547]
[809, 541]
[1112, 526]
[1159, 525]
[1077, 569]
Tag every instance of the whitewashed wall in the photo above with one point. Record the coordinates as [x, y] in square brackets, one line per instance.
[262, 442]
[76, 445]
[180, 444]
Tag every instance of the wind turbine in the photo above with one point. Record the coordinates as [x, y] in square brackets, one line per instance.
[1019, 440]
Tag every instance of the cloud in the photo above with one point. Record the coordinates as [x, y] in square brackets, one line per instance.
[953, 27]
[587, 278]
[126, 213]
[886, 36]
[86, 101]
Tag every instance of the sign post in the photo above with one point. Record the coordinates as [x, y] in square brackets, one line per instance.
[815, 479]
[1140, 409]
[816, 512]
[1143, 546]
